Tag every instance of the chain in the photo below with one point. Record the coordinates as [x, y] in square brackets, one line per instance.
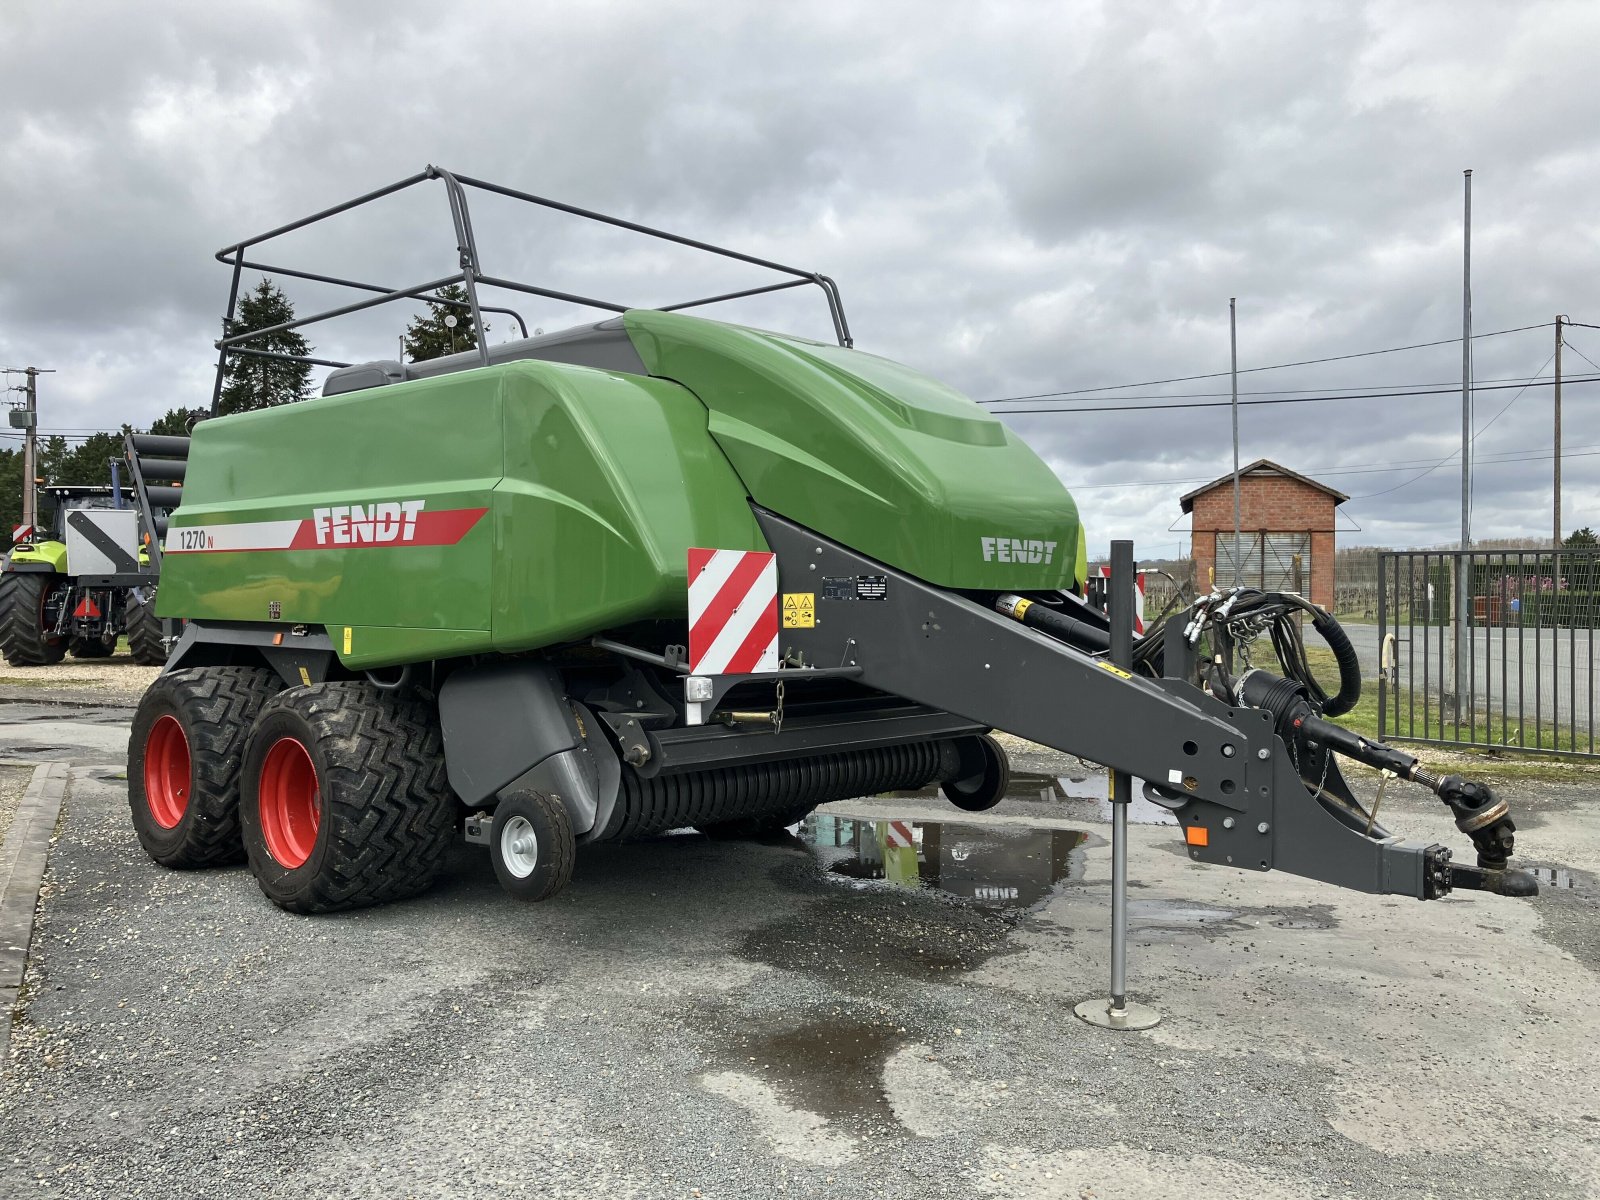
[777, 713]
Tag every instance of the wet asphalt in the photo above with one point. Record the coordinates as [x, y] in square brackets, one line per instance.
[697, 1018]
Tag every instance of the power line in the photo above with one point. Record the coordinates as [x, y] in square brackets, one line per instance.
[1452, 384]
[1532, 454]
[1144, 408]
[1470, 441]
[1310, 362]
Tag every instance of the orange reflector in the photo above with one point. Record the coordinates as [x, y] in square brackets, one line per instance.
[277, 639]
[1197, 835]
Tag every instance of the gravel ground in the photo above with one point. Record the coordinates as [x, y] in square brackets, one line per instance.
[13, 782]
[116, 680]
[726, 1020]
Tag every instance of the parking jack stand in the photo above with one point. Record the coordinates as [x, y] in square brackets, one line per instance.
[1116, 1012]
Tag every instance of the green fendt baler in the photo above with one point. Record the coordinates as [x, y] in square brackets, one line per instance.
[662, 571]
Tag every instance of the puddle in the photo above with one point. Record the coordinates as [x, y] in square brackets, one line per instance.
[991, 866]
[834, 1069]
[1085, 794]
[1559, 878]
[1164, 920]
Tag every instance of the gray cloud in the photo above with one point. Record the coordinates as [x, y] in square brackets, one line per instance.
[1015, 198]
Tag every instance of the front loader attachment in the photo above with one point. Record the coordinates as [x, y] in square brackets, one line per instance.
[1231, 762]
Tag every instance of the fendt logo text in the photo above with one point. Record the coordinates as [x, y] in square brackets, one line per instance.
[1017, 550]
[353, 524]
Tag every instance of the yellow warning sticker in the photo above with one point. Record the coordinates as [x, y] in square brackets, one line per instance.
[348, 633]
[799, 610]
[1102, 664]
[305, 676]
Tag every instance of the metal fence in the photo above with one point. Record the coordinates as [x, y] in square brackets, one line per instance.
[1493, 649]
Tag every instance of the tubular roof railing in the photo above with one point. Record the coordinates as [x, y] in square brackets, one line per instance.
[472, 274]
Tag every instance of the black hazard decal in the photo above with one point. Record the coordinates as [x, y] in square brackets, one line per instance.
[855, 587]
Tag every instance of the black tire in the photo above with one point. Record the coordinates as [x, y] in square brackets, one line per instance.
[22, 601]
[755, 827]
[212, 709]
[144, 631]
[83, 647]
[531, 845]
[985, 775]
[343, 797]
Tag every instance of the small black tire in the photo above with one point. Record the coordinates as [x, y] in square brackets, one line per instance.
[744, 828]
[23, 641]
[531, 845]
[985, 775]
[86, 647]
[184, 752]
[144, 631]
[343, 801]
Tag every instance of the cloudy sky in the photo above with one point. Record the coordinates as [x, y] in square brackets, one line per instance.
[1019, 199]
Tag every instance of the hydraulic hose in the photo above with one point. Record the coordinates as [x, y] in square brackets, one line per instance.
[1058, 625]
[1349, 665]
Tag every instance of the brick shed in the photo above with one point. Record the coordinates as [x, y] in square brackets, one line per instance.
[1286, 531]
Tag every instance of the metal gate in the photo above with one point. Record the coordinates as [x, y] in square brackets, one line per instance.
[1489, 648]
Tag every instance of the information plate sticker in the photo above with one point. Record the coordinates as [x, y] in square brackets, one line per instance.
[799, 610]
[856, 587]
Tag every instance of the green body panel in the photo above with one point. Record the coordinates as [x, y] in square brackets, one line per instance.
[594, 483]
[873, 455]
[52, 554]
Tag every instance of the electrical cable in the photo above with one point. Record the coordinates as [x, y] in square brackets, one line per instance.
[1310, 362]
[1470, 441]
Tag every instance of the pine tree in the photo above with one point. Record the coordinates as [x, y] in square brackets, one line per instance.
[252, 382]
[179, 422]
[429, 337]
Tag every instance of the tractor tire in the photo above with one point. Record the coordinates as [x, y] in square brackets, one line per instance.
[986, 776]
[343, 797]
[755, 827]
[184, 752]
[23, 640]
[144, 632]
[532, 846]
[82, 647]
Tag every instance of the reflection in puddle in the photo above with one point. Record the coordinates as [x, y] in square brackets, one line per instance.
[1552, 877]
[995, 866]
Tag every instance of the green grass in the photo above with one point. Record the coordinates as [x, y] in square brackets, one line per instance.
[1506, 761]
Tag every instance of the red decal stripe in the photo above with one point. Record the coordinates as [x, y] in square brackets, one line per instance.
[716, 615]
[748, 656]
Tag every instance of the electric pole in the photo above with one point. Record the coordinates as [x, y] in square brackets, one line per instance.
[1559, 320]
[1233, 351]
[30, 447]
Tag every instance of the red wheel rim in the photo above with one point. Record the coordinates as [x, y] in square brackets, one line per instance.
[166, 772]
[291, 803]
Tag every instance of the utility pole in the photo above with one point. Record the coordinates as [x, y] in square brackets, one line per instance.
[1463, 598]
[1233, 351]
[30, 446]
[1559, 320]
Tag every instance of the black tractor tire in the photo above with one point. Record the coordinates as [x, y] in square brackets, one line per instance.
[755, 827]
[531, 845]
[22, 637]
[985, 778]
[184, 752]
[144, 632]
[343, 797]
[85, 647]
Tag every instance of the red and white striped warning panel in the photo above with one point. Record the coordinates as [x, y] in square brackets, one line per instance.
[1138, 599]
[899, 834]
[733, 611]
[338, 527]
[21, 533]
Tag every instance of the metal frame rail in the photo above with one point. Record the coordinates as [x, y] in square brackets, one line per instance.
[472, 274]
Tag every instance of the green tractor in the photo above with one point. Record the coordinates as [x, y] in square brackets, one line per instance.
[79, 583]
[661, 572]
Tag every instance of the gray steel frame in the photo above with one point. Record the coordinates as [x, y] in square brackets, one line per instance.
[1231, 773]
[471, 273]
